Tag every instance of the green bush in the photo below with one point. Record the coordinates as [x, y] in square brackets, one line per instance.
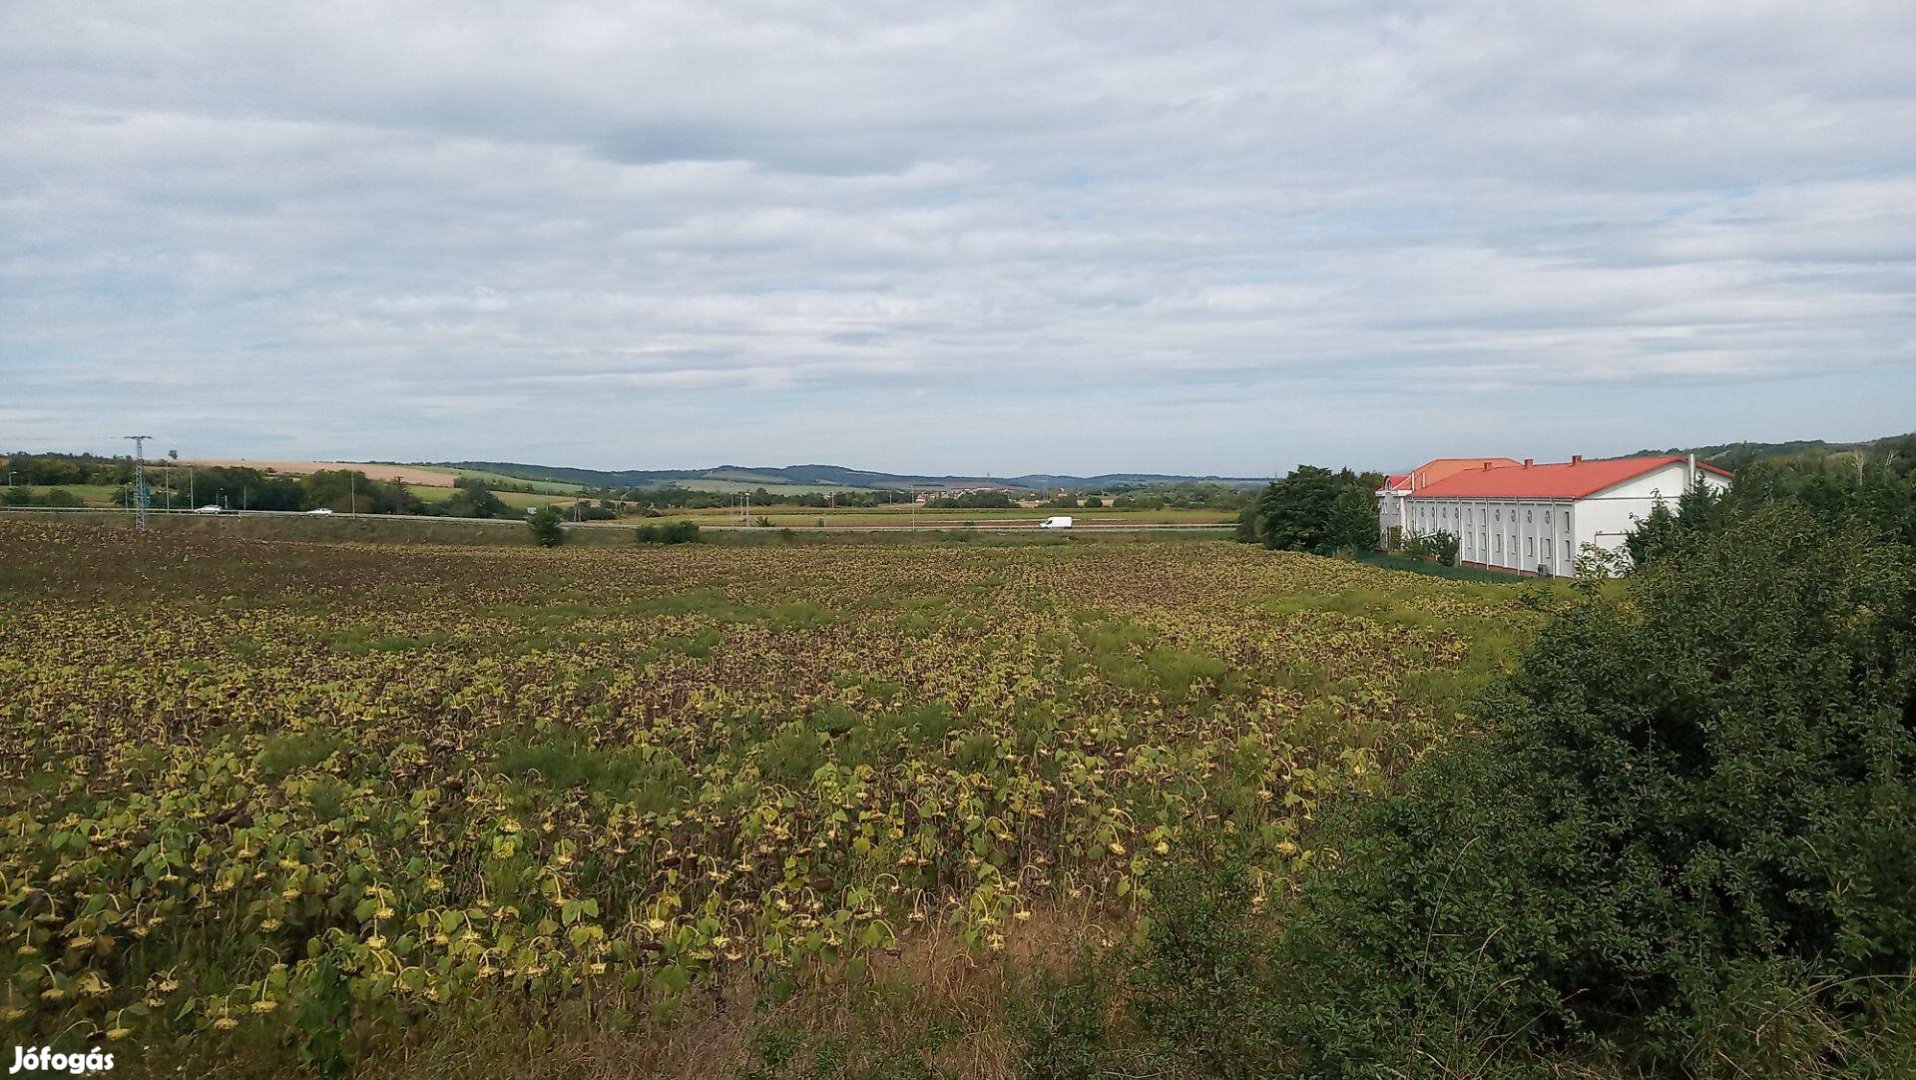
[546, 530]
[1437, 547]
[675, 532]
[1199, 981]
[1062, 1029]
[1692, 825]
[23, 496]
[474, 500]
[1191, 997]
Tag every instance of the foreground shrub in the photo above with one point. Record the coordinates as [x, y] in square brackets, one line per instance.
[1198, 979]
[1692, 831]
[1190, 997]
[546, 530]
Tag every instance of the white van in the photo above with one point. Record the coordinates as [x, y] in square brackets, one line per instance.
[1056, 523]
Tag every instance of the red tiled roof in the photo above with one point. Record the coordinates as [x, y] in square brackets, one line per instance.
[1565, 480]
[1438, 468]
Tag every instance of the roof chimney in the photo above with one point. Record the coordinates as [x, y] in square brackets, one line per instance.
[1576, 459]
[1486, 466]
[1528, 462]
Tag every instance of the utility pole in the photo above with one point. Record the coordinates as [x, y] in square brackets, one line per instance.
[140, 494]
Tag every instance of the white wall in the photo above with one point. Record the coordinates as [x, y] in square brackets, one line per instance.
[1390, 514]
[1516, 534]
[1606, 518]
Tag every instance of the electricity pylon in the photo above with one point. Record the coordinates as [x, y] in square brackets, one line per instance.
[141, 495]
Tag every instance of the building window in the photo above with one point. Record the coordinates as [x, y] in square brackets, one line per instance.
[1527, 518]
[1546, 517]
[1566, 551]
[1530, 547]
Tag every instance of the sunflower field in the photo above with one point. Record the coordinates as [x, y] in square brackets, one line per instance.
[307, 795]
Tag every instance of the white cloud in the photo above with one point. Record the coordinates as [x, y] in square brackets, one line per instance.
[1651, 222]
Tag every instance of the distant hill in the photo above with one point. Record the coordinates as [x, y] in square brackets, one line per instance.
[828, 476]
[1735, 455]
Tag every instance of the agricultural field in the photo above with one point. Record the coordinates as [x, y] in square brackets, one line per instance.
[517, 500]
[774, 487]
[408, 474]
[903, 516]
[446, 810]
[544, 487]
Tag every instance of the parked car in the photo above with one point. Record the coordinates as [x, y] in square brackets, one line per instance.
[211, 508]
[321, 510]
[1060, 522]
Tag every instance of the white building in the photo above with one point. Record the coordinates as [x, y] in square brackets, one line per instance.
[1390, 498]
[1534, 519]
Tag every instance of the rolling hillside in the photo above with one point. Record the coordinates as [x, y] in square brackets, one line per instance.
[1735, 455]
[824, 476]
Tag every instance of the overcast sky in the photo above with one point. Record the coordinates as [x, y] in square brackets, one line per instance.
[1049, 236]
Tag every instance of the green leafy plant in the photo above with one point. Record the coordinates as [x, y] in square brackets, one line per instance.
[1693, 798]
[546, 529]
[1438, 547]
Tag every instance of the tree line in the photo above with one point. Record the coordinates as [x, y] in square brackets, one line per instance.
[236, 487]
[1875, 492]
